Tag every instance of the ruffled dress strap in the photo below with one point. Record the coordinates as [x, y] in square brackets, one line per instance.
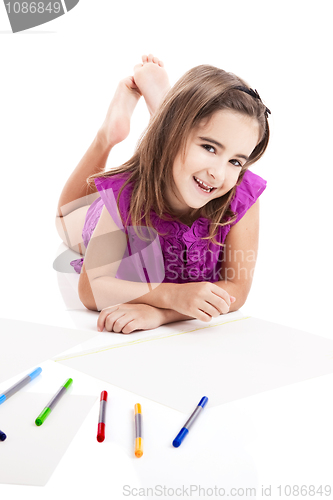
[108, 188]
[247, 193]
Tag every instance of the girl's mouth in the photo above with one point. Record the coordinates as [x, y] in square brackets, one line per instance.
[202, 186]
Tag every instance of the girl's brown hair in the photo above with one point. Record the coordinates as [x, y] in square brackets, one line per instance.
[201, 92]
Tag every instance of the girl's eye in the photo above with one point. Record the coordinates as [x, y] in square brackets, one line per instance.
[236, 162]
[209, 148]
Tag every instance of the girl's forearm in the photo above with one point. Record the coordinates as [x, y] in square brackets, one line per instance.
[160, 297]
[108, 291]
[171, 316]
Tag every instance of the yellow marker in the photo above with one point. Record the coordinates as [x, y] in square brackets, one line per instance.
[138, 450]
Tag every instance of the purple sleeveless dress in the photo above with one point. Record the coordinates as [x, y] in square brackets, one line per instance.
[183, 254]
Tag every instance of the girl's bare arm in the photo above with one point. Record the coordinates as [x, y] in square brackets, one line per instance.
[241, 250]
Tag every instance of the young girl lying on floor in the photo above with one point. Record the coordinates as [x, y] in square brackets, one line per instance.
[188, 182]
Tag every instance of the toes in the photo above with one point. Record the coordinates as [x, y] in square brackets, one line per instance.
[150, 59]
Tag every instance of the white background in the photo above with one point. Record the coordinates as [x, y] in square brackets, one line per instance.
[57, 81]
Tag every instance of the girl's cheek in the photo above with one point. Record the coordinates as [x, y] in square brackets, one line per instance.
[237, 174]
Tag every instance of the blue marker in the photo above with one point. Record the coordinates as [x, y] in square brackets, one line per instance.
[2, 436]
[184, 431]
[16, 387]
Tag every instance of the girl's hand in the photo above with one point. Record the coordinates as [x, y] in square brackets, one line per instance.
[202, 301]
[127, 318]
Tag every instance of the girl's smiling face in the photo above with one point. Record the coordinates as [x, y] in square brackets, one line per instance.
[215, 153]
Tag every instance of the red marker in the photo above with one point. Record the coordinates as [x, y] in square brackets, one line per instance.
[101, 419]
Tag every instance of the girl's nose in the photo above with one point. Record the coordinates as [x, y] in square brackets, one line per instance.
[217, 176]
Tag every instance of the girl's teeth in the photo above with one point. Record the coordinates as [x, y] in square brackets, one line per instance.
[203, 186]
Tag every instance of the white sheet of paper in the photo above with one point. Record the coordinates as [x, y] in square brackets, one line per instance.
[106, 340]
[25, 344]
[30, 454]
[224, 363]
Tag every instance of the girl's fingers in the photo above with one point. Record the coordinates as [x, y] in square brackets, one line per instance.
[103, 315]
[219, 296]
[220, 305]
[215, 310]
[130, 327]
[114, 322]
[210, 311]
[202, 316]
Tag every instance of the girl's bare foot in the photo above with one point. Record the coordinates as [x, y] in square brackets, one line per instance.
[116, 125]
[152, 81]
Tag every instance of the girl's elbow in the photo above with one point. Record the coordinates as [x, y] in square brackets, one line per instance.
[236, 305]
[86, 295]
[88, 302]
[241, 298]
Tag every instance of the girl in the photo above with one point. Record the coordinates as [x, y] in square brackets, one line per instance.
[188, 183]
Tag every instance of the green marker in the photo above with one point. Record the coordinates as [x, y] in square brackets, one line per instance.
[49, 407]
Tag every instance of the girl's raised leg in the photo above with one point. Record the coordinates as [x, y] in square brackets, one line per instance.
[76, 197]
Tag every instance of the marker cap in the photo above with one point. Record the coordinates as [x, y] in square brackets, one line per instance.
[35, 373]
[104, 396]
[40, 419]
[203, 401]
[180, 437]
[2, 436]
[101, 432]
[137, 408]
[68, 383]
[138, 451]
